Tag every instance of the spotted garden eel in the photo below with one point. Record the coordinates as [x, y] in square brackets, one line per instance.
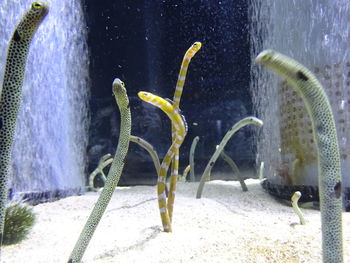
[107, 159]
[295, 198]
[182, 178]
[176, 104]
[235, 169]
[104, 158]
[329, 178]
[187, 169]
[149, 148]
[295, 170]
[179, 126]
[103, 163]
[192, 150]
[261, 171]
[11, 94]
[114, 173]
[244, 122]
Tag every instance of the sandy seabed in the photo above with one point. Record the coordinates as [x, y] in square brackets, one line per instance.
[225, 225]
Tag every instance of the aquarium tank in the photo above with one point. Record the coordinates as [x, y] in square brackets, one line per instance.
[68, 118]
[250, 98]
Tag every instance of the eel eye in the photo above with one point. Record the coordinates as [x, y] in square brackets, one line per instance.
[37, 5]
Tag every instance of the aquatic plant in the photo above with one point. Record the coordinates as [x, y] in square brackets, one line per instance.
[227, 137]
[19, 219]
[176, 104]
[329, 180]
[114, 173]
[104, 161]
[295, 198]
[235, 169]
[192, 150]
[179, 125]
[12, 90]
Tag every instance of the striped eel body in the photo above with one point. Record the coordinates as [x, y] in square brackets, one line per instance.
[11, 94]
[179, 126]
[183, 72]
[329, 179]
[176, 104]
[220, 148]
[114, 173]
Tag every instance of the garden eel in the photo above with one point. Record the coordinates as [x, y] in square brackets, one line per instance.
[187, 169]
[329, 179]
[149, 148]
[104, 161]
[192, 150]
[176, 104]
[179, 126]
[228, 135]
[235, 169]
[184, 174]
[295, 170]
[295, 198]
[114, 173]
[105, 158]
[11, 94]
[261, 171]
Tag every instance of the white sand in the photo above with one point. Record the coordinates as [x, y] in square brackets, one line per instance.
[226, 225]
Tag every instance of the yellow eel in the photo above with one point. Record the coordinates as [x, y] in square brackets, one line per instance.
[179, 127]
[329, 179]
[176, 104]
[11, 94]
